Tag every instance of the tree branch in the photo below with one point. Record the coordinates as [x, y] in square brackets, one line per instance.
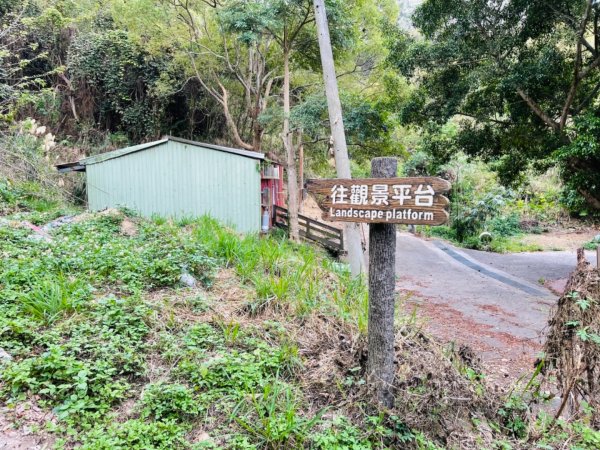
[484, 119]
[230, 122]
[586, 100]
[589, 46]
[576, 76]
[538, 111]
[585, 72]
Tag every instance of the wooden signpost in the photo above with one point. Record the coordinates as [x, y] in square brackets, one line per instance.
[416, 201]
[382, 202]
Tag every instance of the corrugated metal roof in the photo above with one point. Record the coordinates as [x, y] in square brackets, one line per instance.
[235, 151]
[136, 148]
[120, 152]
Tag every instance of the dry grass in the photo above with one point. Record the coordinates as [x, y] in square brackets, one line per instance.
[432, 392]
[573, 344]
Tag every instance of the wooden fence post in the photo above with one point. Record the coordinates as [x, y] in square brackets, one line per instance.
[382, 280]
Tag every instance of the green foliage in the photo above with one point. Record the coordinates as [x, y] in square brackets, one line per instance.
[86, 372]
[419, 164]
[284, 274]
[469, 220]
[72, 385]
[579, 162]
[272, 415]
[502, 74]
[169, 401]
[88, 361]
[513, 415]
[232, 374]
[593, 244]
[505, 226]
[155, 257]
[483, 214]
[289, 21]
[237, 379]
[17, 333]
[341, 435]
[52, 297]
[24, 65]
[136, 434]
[367, 123]
[115, 66]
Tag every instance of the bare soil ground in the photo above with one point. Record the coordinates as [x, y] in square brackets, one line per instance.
[562, 239]
[20, 428]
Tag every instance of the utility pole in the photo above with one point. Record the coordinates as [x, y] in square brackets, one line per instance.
[342, 161]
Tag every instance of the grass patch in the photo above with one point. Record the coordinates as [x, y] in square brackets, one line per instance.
[493, 241]
[593, 244]
[266, 353]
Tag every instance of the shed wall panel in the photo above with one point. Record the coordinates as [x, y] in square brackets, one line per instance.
[179, 180]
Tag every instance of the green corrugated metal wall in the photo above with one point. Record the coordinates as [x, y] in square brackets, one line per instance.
[174, 179]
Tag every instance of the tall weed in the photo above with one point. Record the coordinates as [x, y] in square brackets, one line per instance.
[273, 417]
[51, 298]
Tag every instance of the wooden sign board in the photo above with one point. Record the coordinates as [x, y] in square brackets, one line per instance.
[411, 201]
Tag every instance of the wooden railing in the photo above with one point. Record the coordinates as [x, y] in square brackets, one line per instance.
[329, 237]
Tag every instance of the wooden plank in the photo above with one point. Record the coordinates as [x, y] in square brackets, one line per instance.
[412, 200]
[317, 227]
[324, 242]
[327, 234]
[321, 224]
[313, 230]
[439, 202]
[422, 217]
[324, 186]
[283, 212]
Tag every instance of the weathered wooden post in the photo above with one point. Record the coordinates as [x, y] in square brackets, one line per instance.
[382, 201]
[382, 280]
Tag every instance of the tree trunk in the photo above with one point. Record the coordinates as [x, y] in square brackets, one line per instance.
[342, 162]
[382, 280]
[230, 122]
[300, 171]
[288, 144]
[592, 200]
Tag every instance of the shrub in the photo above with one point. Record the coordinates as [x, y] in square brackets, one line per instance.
[340, 435]
[582, 186]
[169, 401]
[72, 385]
[137, 434]
[505, 226]
[272, 416]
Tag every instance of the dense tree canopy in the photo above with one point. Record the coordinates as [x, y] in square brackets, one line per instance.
[518, 80]
[134, 70]
[516, 75]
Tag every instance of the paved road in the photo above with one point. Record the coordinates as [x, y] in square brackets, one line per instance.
[494, 303]
[533, 267]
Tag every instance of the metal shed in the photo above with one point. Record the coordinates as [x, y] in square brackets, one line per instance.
[178, 178]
